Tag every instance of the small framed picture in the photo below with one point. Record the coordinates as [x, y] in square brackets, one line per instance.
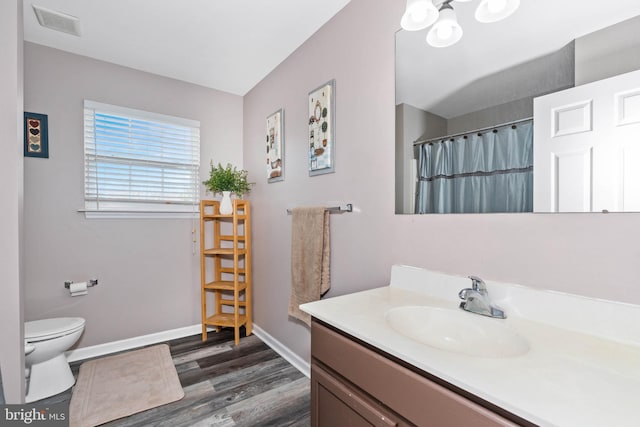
[275, 146]
[322, 142]
[36, 139]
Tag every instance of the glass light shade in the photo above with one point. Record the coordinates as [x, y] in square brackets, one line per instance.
[495, 10]
[419, 15]
[446, 31]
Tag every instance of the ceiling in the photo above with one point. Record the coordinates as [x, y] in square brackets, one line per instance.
[229, 45]
[426, 77]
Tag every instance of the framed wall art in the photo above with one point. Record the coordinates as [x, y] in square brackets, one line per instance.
[275, 146]
[36, 137]
[322, 142]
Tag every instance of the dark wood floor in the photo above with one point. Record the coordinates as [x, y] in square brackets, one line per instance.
[225, 385]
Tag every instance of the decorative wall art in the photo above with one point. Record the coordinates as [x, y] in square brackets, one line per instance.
[36, 139]
[275, 146]
[321, 129]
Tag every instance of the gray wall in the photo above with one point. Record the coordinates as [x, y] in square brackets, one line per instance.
[508, 95]
[509, 112]
[589, 254]
[606, 53]
[148, 273]
[11, 194]
[538, 76]
[411, 124]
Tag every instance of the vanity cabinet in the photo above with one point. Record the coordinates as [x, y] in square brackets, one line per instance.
[355, 385]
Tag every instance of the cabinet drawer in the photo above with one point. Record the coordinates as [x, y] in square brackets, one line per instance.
[417, 398]
[336, 403]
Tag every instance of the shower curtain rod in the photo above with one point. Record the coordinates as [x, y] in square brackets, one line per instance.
[440, 138]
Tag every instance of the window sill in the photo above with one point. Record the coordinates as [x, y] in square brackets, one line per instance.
[137, 214]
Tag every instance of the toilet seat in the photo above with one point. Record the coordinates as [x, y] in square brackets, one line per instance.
[41, 330]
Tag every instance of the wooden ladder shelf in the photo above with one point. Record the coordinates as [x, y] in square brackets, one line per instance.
[225, 266]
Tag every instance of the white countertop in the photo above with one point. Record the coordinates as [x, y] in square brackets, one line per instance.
[582, 368]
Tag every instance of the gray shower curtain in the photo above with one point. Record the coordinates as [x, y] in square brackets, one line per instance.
[488, 171]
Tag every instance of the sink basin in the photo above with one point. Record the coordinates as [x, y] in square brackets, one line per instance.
[457, 331]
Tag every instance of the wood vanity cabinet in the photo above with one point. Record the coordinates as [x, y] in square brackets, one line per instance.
[354, 385]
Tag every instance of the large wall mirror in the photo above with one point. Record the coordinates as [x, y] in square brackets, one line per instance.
[470, 117]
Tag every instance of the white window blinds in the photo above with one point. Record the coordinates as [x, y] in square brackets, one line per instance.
[136, 161]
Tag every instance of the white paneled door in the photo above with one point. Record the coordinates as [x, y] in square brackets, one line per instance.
[587, 147]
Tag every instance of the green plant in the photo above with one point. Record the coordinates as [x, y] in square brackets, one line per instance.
[228, 179]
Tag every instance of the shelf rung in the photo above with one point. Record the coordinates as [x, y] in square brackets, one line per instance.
[223, 251]
[225, 319]
[229, 270]
[229, 238]
[224, 285]
[230, 303]
[206, 216]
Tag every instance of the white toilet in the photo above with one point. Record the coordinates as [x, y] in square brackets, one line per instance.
[47, 368]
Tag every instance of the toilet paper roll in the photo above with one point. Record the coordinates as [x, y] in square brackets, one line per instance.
[77, 289]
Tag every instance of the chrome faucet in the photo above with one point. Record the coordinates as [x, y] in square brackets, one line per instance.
[476, 300]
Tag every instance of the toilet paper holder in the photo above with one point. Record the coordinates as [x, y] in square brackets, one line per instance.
[90, 283]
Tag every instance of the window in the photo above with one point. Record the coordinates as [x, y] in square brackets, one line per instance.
[139, 163]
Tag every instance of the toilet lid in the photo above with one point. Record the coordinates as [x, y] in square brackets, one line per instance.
[39, 330]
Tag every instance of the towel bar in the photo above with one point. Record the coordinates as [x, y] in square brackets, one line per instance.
[336, 209]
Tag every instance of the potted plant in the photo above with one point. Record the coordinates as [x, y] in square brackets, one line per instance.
[227, 180]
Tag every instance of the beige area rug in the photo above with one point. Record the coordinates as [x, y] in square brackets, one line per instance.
[118, 386]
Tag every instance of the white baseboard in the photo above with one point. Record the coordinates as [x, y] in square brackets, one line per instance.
[284, 351]
[135, 342]
[129, 343]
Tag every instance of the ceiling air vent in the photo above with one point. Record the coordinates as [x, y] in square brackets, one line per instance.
[57, 20]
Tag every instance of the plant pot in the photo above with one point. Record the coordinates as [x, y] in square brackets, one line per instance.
[226, 207]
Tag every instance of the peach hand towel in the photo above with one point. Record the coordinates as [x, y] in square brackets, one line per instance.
[310, 258]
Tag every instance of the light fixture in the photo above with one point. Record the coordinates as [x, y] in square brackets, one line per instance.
[446, 31]
[419, 15]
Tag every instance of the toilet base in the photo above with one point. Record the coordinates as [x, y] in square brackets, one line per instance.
[48, 378]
